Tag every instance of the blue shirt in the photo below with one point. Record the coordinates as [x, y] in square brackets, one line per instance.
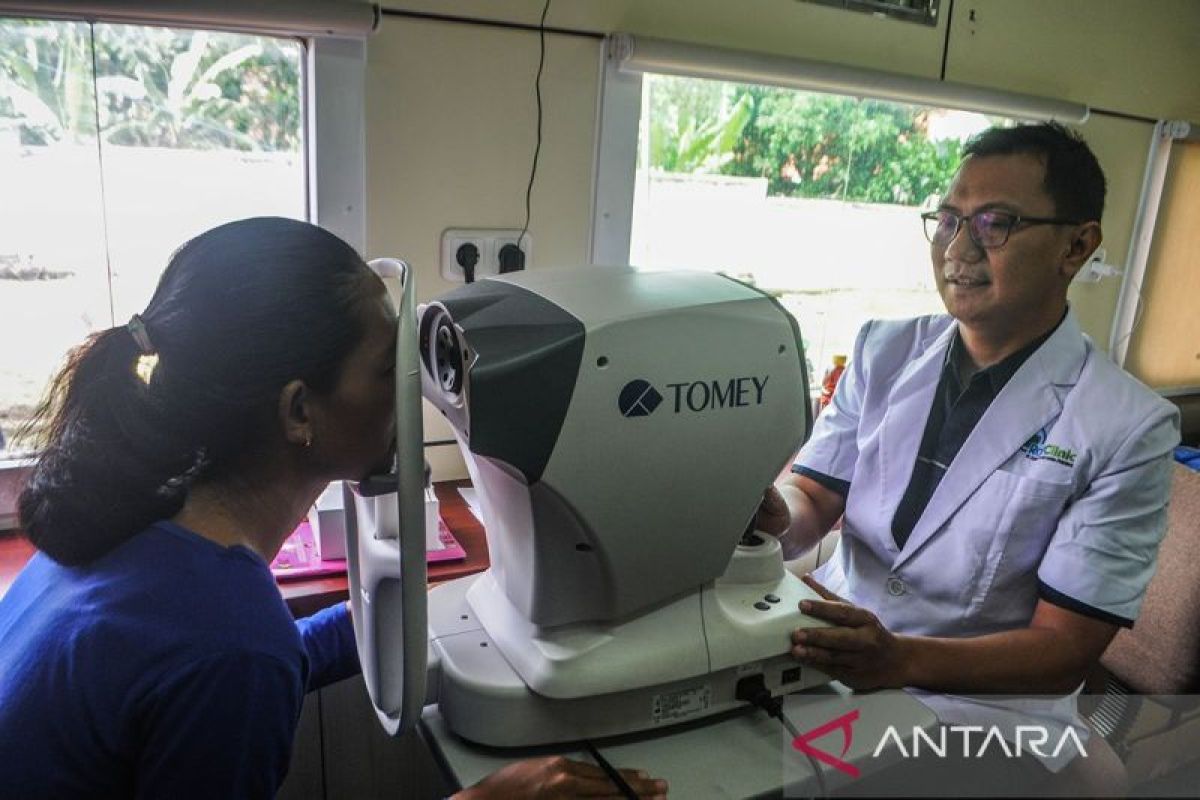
[170, 667]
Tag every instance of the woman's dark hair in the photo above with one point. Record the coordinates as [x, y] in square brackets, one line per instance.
[239, 312]
[1073, 180]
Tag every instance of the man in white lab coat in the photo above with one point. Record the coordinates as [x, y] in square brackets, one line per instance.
[1002, 485]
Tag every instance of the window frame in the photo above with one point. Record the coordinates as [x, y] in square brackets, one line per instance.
[614, 169]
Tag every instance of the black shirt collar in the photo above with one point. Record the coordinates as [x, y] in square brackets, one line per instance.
[998, 374]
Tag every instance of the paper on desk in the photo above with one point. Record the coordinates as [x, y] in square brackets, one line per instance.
[472, 497]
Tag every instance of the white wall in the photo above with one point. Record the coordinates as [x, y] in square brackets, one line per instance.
[450, 139]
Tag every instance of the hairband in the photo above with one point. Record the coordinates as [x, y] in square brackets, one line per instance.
[137, 329]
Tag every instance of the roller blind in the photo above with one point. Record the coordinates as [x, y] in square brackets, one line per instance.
[1165, 348]
[347, 18]
[640, 54]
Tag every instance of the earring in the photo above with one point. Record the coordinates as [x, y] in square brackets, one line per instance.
[308, 440]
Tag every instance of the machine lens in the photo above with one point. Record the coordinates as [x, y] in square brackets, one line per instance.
[447, 356]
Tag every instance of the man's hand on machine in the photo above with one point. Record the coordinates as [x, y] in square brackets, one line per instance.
[558, 778]
[858, 650]
[773, 514]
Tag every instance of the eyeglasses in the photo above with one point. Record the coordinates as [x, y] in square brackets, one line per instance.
[987, 229]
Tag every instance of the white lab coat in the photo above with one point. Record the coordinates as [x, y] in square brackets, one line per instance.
[1064, 479]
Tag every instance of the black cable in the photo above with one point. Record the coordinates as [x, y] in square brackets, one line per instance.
[610, 770]
[753, 690]
[537, 150]
[489, 23]
[1122, 115]
[946, 44]
[112, 311]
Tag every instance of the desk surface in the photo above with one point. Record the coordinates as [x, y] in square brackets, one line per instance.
[737, 755]
[306, 597]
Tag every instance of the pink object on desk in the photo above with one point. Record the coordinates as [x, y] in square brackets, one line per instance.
[298, 557]
[451, 550]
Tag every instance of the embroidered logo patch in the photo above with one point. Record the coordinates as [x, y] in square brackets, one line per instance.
[1038, 448]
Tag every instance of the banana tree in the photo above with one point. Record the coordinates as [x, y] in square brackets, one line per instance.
[694, 125]
[157, 95]
[46, 80]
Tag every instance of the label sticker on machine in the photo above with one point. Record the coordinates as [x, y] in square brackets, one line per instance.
[674, 706]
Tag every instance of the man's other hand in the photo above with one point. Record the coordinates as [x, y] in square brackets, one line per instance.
[857, 650]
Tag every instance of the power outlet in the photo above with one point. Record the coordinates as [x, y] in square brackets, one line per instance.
[488, 243]
[1096, 268]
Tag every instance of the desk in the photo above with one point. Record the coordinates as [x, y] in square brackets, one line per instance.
[743, 754]
[309, 596]
[15, 550]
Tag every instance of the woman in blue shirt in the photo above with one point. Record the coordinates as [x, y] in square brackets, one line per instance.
[145, 650]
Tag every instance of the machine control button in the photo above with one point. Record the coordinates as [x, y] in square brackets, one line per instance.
[896, 587]
[761, 606]
[771, 598]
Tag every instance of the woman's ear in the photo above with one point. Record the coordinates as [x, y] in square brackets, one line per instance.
[294, 413]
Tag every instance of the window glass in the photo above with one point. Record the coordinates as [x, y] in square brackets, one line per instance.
[814, 197]
[106, 173]
[53, 273]
[197, 128]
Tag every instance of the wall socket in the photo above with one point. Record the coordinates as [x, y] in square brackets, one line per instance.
[1096, 268]
[488, 245]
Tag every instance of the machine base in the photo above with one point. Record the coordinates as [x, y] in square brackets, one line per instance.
[483, 699]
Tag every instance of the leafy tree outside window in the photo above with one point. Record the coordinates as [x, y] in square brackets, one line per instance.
[804, 143]
[812, 145]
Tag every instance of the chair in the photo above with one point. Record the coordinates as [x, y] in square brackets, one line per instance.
[1142, 705]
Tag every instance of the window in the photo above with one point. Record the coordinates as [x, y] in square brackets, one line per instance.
[117, 144]
[814, 197]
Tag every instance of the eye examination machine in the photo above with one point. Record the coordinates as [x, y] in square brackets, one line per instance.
[620, 428]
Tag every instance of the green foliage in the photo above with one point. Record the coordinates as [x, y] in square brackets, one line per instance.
[157, 87]
[266, 96]
[694, 125]
[195, 89]
[815, 145]
[46, 80]
[804, 144]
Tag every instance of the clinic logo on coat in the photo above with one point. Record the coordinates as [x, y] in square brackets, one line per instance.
[638, 399]
[1037, 449]
[844, 723]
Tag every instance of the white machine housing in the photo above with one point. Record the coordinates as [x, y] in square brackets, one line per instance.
[620, 427]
